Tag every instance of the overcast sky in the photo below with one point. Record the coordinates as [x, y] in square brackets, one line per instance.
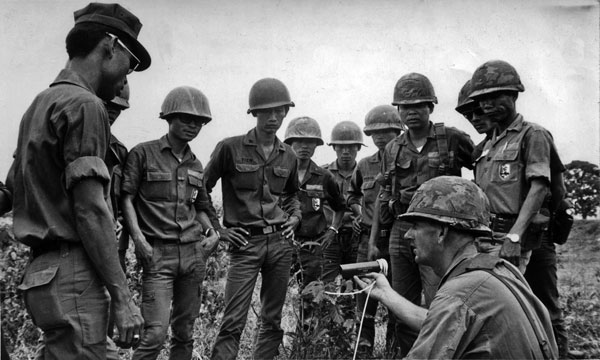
[339, 59]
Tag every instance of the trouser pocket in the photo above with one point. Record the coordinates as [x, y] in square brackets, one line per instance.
[39, 287]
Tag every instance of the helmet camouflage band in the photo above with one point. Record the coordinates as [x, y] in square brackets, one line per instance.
[382, 117]
[346, 133]
[495, 75]
[413, 88]
[451, 200]
[303, 128]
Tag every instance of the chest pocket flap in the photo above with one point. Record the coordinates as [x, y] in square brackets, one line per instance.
[403, 164]
[195, 178]
[368, 184]
[244, 168]
[281, 172]
[158, 176]
[511, 153]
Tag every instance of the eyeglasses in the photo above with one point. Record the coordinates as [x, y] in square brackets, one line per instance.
[134, 62]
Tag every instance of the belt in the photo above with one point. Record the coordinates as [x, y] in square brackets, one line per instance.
[256, 231]
[502, 222]
[367, 229]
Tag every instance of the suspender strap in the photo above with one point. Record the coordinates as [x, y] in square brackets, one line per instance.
[442, 143]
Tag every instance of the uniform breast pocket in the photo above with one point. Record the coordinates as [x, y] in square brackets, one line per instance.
[369, 190]
[195, 183]
[246, 176]
[278, 179]
[157, 185]
[506, 166]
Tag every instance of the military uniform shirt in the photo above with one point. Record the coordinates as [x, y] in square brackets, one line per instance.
[510, 161]
[257, 192]
[414, 167]
[343, 182]
[364, 188]
[317, 187]
[167, 193]
[63, 138]
[475, 316]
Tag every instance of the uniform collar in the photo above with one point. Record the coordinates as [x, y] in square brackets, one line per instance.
[375, 158]
[516, 126]
[68, 76]
[165, 144]
[464, 254]
[250, 140]
[403, 138]
[314, 168]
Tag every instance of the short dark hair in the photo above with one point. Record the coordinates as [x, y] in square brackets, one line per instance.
[83, 38]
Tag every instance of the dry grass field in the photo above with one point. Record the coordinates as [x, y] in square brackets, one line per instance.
[579, 282]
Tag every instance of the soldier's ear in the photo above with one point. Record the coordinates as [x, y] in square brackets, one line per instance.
[443, 234]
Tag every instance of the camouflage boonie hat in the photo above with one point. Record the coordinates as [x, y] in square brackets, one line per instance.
[413, 88]
[465, 103]
[495, 75]
[451, 200]
[382, 117]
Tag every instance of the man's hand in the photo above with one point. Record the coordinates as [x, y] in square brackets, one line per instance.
[327, 238]
[356, 225]
[210, 243]
[236, 236]
[143, 250]
[129, 323]
[373, 252]
[511, 251]
[289, 226]
[381, 287]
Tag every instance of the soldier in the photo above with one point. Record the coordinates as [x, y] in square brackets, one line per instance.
[423, 152]
[383, 124]
[473, 113]
[346, 140]
[484, 308]
[60, 180]
[261, 211]
[516, 170]
[115, 161]
[167, 210]
[317, 187]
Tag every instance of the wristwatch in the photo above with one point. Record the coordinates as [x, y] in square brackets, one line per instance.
[514, 238]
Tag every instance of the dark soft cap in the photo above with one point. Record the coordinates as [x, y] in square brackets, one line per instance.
[119, 21]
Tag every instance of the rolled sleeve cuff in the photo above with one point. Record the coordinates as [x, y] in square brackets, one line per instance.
[86, 167]
[537, 171]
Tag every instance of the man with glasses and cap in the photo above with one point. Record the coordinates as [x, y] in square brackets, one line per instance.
[60, 182]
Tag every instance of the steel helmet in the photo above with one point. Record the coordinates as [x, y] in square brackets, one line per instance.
[413, 88]
[451, 200]
[465, 103]
[346, 133]
[186, 100]
[268, 93]
[122, 99]
[495, 75]
[303, 128]
[382, 117]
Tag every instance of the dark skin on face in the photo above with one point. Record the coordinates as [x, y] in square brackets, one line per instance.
[415, 116]
[499, 107]
[346, 155]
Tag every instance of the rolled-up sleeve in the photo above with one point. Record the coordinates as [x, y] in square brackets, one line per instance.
[133, 171]
[355, 193]
[538, 155]
[289, 199]
[85, 143]
[86, 167]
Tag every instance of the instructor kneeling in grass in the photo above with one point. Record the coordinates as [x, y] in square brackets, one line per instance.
[483, 307]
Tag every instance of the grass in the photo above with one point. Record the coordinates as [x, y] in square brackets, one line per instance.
[579, 286]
